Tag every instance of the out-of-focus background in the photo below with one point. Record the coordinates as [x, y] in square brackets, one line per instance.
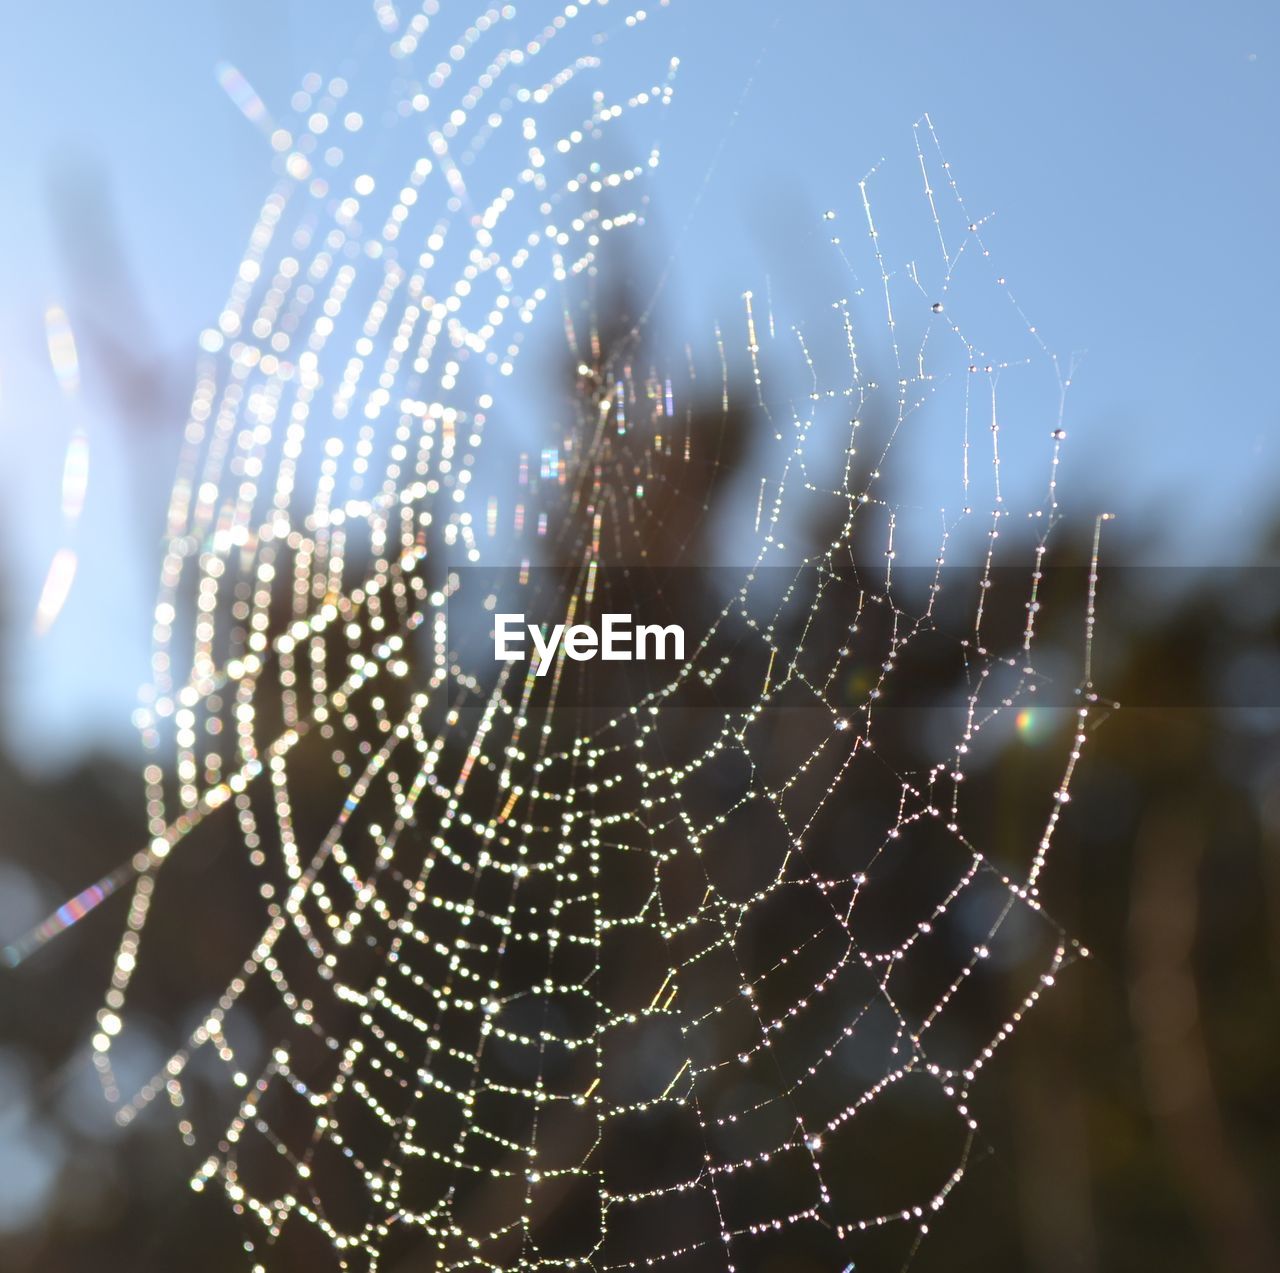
[1122, 157]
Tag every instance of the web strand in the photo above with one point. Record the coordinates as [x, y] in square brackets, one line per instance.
[532, 985]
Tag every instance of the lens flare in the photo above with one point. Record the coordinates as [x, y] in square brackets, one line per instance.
[62, 348]
[75, 475]
[242, 94]
[57, 587]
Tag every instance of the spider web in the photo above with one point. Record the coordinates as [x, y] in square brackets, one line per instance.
[483, 978]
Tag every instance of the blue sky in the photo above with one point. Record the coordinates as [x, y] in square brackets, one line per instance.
[1126, 152]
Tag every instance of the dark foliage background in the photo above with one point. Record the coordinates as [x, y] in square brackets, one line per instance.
[1130, 1123]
